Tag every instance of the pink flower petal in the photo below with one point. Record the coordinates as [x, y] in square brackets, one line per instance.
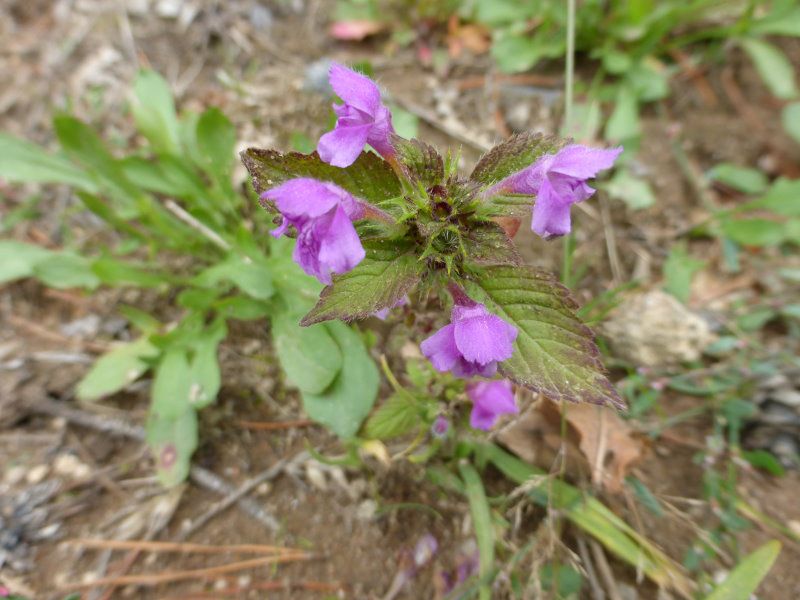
[354, 88]
[440, 349]
[583, 162]
[342, 146]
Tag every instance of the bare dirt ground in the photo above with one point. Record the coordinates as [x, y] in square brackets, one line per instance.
[252, 59]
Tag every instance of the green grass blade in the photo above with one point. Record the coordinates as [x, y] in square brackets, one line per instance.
[593, 517]
[481, 521]
[748, 574]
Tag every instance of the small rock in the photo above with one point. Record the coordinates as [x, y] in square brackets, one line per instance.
[366, 510]
[14, 475]
[654, 329]
[316, 76]
[169, 9]
[264, 489]
[315, 476]
[37, 474]
[261, 17]
[70, 466]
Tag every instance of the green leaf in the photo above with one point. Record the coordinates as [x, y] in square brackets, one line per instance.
[116, 272]
[253, 277]
[515, 52]
[23, 162]
[172, 441]
[783, 198]
[205, 377]
[405, 123]
[754, 232]
[594, 518]
[507, 205]
[172, 385]
[66, 270]
[679, 269]
[349, 399]
[514, 154]
[379, 281]
[242, 308]
[116, 369]
[633, 191]
[623, 124]
[749, 181]
[790, 117]
[764, 460]
[743, 581]
[369, 178]
[82, 144]
[488, 244]
[154, 112]
[168, 175]
[554, 353]
[481, 522]
[773, 66]
[395, 417]
[216, 141]
[783, 19]
[309, 355]
[420, 161]
[18, 259]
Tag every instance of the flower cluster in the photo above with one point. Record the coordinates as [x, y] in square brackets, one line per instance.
[323, 216]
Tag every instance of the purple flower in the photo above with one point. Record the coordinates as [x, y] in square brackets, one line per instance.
[472, 344]
[490, 399]
[362, 119]
[440, 427]
[323, 215]
[558, 181]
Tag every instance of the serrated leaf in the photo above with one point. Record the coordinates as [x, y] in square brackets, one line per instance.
[308, 355]
[368, 178]
[488, 244]
[22, 162]
[419, 160]
[349, 399]
[172, 441]
[775, 69]
[18, 259]
[116, 369]
[395, 417]
[508, 205]
[554, 353]
[743, 581]
[379, 281]
[514, 154]
[172, 384]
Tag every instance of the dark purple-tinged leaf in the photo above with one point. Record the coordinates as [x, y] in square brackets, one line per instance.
[516, 153]
[488, 244]
[554, 353]
[419, 160]
[368, 178]
[379, 281]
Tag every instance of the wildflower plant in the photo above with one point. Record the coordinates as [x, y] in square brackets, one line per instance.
[378, 228]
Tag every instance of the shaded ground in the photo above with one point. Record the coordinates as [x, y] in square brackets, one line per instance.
[251, 60]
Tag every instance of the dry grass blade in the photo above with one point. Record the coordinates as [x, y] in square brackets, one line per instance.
[172, 576]
[187, 548]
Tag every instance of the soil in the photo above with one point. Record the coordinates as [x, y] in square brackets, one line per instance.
[251, 59]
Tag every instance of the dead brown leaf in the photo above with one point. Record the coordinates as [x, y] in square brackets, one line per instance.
[598, 443]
